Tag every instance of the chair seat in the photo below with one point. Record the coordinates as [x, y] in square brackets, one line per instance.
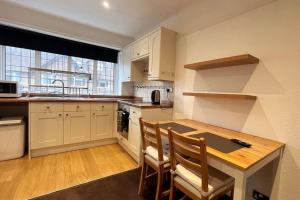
[218, 181]
[151, 151]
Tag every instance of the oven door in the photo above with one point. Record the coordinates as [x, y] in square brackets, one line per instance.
[123, 123]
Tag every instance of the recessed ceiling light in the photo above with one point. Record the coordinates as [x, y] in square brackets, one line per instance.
[106, 4]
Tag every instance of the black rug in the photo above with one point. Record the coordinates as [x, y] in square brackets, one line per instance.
[123, 186]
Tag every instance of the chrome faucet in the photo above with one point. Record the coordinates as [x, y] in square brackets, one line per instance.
[63, 85]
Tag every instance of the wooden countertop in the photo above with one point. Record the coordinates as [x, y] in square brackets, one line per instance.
[58, 99]
[243, 158]
[144, 105]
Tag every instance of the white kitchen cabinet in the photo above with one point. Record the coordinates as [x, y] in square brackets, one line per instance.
[126, 64]
[46, 129]
[134, 136]
[162, 52]
[101, 124]
[140, 48]
[77, 127]
[133, 144]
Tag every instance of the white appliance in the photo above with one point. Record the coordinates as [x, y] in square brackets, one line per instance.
[12, 138]
[9, 89]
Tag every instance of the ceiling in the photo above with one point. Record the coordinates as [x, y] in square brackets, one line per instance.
[126, 17]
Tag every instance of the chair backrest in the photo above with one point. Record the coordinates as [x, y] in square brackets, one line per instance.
[151, 137]
[191, 154]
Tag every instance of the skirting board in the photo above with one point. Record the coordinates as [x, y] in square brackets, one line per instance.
[71, 147]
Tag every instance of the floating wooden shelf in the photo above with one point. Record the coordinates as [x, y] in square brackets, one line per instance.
[223, 62]
[221, 95]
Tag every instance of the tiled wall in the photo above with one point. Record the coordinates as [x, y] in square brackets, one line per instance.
[144, 89]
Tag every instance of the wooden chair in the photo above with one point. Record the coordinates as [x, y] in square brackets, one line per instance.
[190, 172]
[153, 156]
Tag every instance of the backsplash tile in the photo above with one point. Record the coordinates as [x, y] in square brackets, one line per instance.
[144, 89]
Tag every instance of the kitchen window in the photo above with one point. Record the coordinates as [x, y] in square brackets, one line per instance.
[17, 64]
[35, 71]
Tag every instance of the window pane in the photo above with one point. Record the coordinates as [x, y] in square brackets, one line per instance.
[82, 82]
[17, 64]
[105, 78]
[54, 62]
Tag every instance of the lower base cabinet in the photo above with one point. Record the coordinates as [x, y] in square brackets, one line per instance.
[134, 135]
[46, 130]
[77, 127]
[133, 144]
[101, 125]
[57, 124]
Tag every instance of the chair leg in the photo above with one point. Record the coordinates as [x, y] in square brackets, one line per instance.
[231, 193]
[142, 179]
[160, 176]
[172, 192]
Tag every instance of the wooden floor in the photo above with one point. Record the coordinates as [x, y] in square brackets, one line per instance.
[23, 178]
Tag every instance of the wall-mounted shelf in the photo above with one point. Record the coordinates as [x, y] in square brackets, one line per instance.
[221, 95]
[89, 76]
[224, 62]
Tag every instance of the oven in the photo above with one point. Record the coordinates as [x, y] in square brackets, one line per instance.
[123, 119]
[9, 89]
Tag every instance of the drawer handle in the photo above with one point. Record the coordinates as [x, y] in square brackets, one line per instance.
[59, 115]
[67, 115]
[78, 107]
[138, 54]
[48, 107]
[134, 112]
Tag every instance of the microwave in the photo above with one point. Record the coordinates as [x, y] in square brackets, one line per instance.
[9, 89]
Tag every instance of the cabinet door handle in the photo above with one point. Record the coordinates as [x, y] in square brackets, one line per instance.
[67, 115]
[59, 115]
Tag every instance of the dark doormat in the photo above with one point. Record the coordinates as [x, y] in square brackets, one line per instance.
[123, 186]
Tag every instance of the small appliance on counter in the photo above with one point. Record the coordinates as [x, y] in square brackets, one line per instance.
[155, 97]
[9, 89]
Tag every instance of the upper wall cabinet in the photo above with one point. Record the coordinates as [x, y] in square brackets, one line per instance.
[162, 52]
[140, 48]
[126, 63]
[157, 49]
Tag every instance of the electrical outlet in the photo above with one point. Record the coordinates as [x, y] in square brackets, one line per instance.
[259, 196]
[169, 90]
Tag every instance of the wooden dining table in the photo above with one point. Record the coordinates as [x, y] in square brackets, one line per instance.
[241, 163]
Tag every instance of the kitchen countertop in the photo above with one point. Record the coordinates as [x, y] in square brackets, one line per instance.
[144, 105]
[60, 99]
[131, 101]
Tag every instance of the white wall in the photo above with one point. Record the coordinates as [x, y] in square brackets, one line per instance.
[27, 18]
[272, 33]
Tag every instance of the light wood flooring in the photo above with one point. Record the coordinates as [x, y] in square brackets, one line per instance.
[23, 178]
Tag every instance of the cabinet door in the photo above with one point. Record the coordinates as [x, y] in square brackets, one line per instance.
[127, 56]
[134, 137]
[154, 56]
[46, 130]
[101, 125]
[141, 48]
[77, 127]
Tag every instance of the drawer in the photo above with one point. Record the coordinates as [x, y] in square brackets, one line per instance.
[135, 112]
[46, 107]
[102, 106]
[77, 107]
